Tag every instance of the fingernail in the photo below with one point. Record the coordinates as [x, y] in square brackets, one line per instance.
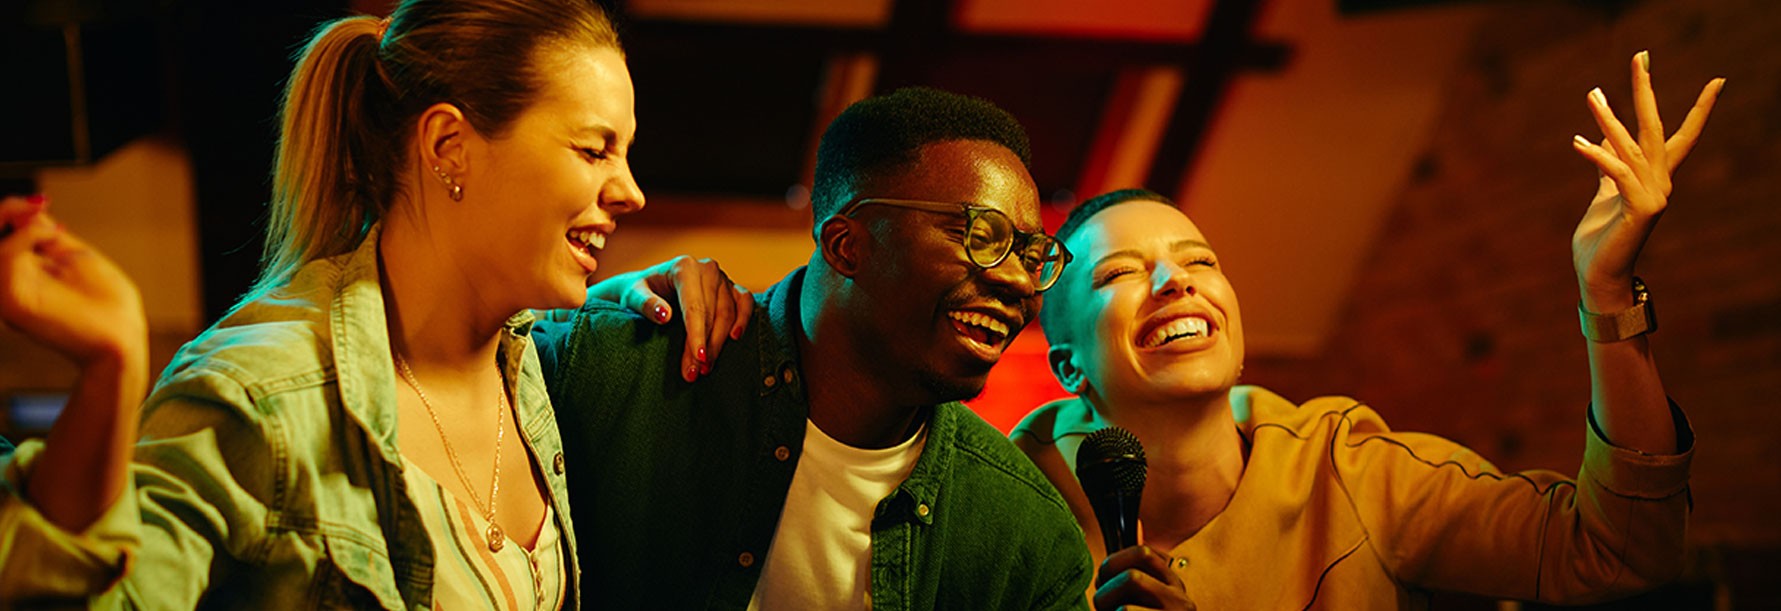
[701, 356]
[704, 368]
[735, 334]
[1645, 60]
[692, 373]
[1597, 95]
[1579, 141]
[661, 313]
[37, 199]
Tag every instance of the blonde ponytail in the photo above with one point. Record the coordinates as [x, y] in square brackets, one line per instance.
[333, 169]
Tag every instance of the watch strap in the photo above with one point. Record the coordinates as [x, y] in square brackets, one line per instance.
[1613, 327]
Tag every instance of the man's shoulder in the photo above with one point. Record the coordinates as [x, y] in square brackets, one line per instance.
[601, 335]
[988, 457]
[601, 318]
[1001, 501]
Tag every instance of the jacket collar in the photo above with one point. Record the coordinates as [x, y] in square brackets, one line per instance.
[784, 325]
[360, 343]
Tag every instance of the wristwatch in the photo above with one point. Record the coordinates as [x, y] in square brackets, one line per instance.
[1634, 321]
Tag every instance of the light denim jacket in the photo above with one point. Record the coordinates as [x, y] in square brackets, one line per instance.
[268, 473]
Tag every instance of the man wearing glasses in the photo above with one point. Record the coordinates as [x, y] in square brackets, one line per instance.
[823, 461]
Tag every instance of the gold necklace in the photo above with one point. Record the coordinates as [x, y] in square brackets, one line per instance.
[497, 538]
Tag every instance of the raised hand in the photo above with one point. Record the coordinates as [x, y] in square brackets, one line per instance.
[59, 291]
[1634, 186]
[62, 293]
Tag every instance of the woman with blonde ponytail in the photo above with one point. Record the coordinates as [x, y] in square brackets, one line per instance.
[368, 428]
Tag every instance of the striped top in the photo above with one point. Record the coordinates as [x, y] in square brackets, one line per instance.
[466, 575]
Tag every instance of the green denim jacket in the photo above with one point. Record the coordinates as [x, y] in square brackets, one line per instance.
[681, 485]
[268, 474]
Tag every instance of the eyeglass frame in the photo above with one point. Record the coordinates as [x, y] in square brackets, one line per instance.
[972, 212]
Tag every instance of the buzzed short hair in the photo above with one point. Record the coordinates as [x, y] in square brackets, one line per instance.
[1051, 313]
[887, 132]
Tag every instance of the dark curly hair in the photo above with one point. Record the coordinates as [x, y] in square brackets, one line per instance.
[886, 132]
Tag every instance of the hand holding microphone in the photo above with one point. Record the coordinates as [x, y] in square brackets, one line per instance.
[1110, 466]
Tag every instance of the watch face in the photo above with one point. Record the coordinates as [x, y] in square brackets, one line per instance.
[1650, 313]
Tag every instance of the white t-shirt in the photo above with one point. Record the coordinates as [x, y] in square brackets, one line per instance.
[821, 556]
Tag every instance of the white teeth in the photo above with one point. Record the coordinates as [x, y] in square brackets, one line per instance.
[590, 240]
[1192, 326]
[980, 320]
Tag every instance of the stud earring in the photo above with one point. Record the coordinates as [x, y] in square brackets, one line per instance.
[453, 189]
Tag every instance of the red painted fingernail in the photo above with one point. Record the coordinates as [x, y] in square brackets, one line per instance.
[692, 373]
[37, 199]
[704, 369]
[661, 312]
[701, 355]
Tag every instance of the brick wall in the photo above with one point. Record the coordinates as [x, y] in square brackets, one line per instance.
[1463, 321]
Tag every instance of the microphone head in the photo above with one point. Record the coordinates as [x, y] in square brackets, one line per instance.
[1111, 463]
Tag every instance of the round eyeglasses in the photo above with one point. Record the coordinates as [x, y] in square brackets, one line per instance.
[990, 237]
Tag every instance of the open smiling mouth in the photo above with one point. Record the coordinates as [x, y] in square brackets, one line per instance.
[1190, 327]
[584, 247]
[978, 327]
[587, 241]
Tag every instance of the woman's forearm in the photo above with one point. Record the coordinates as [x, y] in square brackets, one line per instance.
[87, 455]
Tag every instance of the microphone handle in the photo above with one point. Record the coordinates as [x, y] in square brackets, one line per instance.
[1119, 527]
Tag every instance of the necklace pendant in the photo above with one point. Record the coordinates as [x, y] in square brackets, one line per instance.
[497, 539]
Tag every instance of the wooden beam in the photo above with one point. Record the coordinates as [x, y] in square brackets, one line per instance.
[1209, 79]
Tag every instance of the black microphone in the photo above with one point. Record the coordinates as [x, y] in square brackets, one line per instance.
[1110, 465]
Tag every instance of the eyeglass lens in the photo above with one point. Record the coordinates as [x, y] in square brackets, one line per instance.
[991, 238]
